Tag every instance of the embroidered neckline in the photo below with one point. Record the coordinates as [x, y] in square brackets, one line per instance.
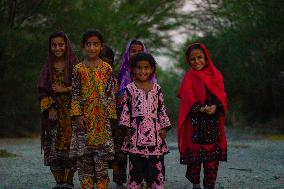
[146, 92]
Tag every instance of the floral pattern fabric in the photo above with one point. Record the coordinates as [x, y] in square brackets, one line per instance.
[61, 102]
[94, 98]
[144, 114]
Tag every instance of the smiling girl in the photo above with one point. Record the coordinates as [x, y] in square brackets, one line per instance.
[55, 88]
[144, 116]
[93, 107]
[203, 106]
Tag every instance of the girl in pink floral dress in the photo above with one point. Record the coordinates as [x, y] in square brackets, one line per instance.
[144, 116]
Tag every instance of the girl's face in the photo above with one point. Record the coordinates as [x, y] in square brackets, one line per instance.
[134, 49]
[93, 47]
[58, 47]
[143, 70]
[197, 59]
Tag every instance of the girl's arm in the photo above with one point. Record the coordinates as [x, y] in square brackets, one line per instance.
[46, 100]
[76, 94]
[61, 89]
[76, 109]
[111, 93]
[126, 108]
[45, 97]
[46, 103]
[163, 118]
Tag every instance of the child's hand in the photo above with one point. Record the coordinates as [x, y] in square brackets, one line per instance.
[211, 110]
[163, 133]
[52, 114]
[59, 88]
[81, 122]
[204, 108]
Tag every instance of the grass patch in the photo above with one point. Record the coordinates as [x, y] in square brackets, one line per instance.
[5, 154]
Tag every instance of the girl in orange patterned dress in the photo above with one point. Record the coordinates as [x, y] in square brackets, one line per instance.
[93, 108]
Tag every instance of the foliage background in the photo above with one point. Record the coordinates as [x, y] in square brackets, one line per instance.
[245, 39]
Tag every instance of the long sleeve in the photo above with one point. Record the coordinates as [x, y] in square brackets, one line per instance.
[45, 96]
[125, 114]
[45, 103]
[164, 120]
[76, 94]
[111, 93]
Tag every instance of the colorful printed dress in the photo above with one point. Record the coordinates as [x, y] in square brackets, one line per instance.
[144, 114]
[57, 136]
[94, 98]
[62, 104]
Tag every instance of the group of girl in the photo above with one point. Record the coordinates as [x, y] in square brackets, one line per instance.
[92, 119]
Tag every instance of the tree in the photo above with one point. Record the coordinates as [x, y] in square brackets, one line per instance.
[26, 25]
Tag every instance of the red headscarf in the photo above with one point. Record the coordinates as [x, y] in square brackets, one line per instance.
[192, 90]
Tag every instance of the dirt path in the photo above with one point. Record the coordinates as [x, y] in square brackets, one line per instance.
[253, 163]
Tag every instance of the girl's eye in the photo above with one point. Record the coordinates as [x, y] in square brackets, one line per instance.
[61, 45]
[96, 44]
[58, 45]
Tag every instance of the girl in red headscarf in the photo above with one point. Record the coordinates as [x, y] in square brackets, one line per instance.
[203, 106]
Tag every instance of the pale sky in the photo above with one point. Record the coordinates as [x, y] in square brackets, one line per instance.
[164, 61]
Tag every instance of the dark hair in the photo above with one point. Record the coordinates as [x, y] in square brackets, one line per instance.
[57, 34]
[91, 33]
[195, 47]
[107, 52]
[142, 56]
[136, 42]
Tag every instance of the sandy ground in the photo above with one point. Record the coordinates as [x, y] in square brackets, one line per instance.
[253, 163]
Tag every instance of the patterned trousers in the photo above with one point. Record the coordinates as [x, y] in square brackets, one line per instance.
[63, 170]
[93, 169]
[150, 169]
[210, 173]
